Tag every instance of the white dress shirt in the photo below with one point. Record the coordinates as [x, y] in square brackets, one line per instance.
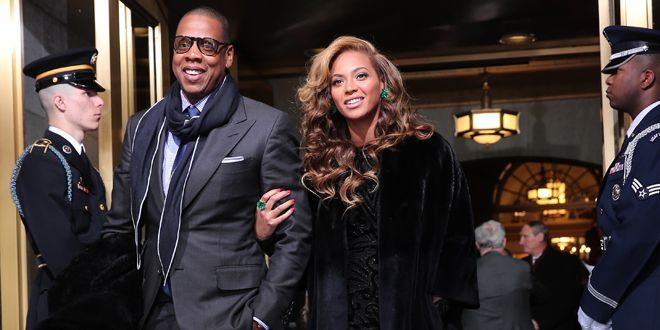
[640, 117]
[75, 143]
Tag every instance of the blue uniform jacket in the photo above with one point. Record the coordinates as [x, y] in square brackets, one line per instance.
[625, 284]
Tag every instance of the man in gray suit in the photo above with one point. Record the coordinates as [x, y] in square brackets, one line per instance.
[192, 168]
[504, 284]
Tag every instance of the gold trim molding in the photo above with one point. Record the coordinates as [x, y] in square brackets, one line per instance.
[13, 247]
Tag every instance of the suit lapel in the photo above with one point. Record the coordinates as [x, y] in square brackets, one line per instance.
[216, 147]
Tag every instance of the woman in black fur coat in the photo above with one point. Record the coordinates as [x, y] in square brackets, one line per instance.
[393, 234]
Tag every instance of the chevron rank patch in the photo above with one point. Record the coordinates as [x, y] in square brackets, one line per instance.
[642, 192]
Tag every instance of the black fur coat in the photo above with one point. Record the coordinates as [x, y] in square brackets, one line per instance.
[100, 289]
[425, 244]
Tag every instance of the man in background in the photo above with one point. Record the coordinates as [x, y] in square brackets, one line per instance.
[504, 284]
[557, 280]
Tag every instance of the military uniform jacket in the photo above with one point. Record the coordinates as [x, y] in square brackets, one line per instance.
[625, 284]
[61, 199]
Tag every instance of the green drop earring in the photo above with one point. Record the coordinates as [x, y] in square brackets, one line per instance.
[384, 93]
[333, 109]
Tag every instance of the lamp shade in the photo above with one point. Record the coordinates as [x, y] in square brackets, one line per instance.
[487, 126]
[552, 192]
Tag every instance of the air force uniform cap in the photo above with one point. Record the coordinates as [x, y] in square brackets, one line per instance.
[76, 67]
[628, 41]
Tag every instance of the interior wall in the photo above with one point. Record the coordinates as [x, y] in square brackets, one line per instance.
[41, 19]
[568, 129]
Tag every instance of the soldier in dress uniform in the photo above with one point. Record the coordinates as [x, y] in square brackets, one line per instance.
[58, 193]
[624, 287]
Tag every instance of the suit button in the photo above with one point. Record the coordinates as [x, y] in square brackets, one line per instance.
[86, 208]
[601, 211]
[102, 207]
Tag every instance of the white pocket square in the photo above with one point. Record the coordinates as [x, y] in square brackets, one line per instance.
[235, 159]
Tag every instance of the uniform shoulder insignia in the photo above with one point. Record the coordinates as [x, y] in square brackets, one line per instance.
[41, 143]
[630, 150]
[654, 137]
[46, 145]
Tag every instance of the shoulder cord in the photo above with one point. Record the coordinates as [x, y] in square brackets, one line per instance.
[17, 170]
[631, 149]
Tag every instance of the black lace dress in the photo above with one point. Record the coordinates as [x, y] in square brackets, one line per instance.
[362, 272]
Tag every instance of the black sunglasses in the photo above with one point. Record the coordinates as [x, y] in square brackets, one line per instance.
[207, 46]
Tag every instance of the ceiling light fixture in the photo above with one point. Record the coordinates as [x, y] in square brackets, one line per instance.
[486, 125]
[517, 39]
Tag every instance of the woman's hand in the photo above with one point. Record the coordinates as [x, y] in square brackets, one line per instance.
[267, 217]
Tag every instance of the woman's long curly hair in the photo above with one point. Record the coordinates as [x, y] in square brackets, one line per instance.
[329, 154]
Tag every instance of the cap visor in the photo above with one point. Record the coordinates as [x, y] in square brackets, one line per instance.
[91, 84]
[616, 63]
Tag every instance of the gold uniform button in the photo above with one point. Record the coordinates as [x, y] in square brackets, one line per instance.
[102, 207]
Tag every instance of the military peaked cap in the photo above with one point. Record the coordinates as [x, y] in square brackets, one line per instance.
[628, 41]
[76, 67]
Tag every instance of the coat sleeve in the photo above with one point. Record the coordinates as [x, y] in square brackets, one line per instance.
[456, 278]
[633, 246]
[281, 168]
[557, 288]
[119, 216]
[47, 214]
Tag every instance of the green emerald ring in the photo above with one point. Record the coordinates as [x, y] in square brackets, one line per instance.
[261, 205]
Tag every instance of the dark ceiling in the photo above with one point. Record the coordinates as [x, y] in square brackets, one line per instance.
[279, 34]
[442, 47]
